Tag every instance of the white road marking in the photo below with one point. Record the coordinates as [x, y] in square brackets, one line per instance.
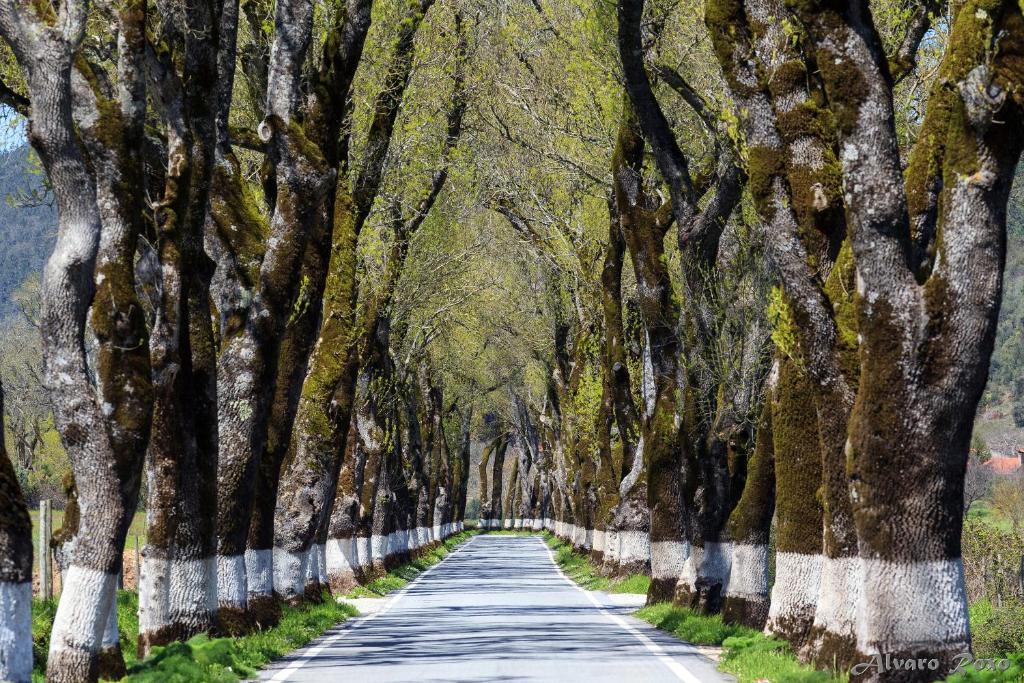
[315, 650]
[680, 671]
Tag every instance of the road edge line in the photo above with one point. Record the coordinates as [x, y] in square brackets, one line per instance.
[679, 670]
[311, 651]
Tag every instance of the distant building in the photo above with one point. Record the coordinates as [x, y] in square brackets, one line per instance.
[1006, 464]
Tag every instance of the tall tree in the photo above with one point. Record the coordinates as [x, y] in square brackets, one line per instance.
[928, 286]
[88, 139]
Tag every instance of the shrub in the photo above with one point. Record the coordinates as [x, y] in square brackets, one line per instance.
[997, 631]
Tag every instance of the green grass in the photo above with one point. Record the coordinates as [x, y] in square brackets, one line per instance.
[138, 527]
[231, 659]
[400, 576]
[750, 655]
[634, 583]
[982, 511]
[747, 654]
[577, 566]
[202, 658]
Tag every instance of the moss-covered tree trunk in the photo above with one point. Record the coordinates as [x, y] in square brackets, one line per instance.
[462, 477]
[746, 595]
[798, 507]
[644, 235]
[177, 573]
[689, 536]
[247, 363]
[341, 552]
[420, 464]
[92, 157]
[626, 497]
[511, 495]
[485, 491]
[496, 520]
[909, 279]
[371, 440]
[311, 466]
[918, 392]
[299, 340]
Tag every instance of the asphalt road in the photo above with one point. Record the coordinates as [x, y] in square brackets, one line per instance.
[497, 609]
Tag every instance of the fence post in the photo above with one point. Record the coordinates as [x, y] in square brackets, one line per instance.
[138, 564]
[45, 568]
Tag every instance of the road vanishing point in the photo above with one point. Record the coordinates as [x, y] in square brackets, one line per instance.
[496, 609]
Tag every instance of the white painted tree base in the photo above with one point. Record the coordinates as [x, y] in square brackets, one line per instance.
[232, 582]
[175, 591]
[634, 546]
[16, 632]
[748, 572]
[910, 604]
[714, 565]
[795, 591]
[259, 569]
[668, 559]
[289, 571]
[839, 596]
[340, 557]
[81, 620]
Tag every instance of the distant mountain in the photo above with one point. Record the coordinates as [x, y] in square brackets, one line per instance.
[1001, 413]
[27, 232]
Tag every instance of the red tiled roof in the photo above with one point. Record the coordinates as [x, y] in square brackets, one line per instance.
[1003, 464]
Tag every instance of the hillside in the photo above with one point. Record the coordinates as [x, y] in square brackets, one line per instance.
[27, 232]
[1004, 395]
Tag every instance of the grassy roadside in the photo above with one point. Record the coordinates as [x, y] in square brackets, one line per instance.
[201, 659]
[223, 660]
[753, 657]
[400, 576]
[137, 528]
[747, 654]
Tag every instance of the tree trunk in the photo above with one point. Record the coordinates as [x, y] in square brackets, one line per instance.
[177, 573]
[511, 492]
[15, 573]
[659, 441]
[247, 365]
[798, 544]
[103, 429]
[485, 492]
[340, 552]
[746, 596]
[918, 393]
[300, 338]
[496, 519]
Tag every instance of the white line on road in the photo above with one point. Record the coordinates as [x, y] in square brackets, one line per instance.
[680, 671]
[315, 650]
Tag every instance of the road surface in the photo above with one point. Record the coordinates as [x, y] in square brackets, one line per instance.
[497, 609]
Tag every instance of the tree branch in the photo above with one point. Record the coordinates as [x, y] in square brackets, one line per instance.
[656, 129]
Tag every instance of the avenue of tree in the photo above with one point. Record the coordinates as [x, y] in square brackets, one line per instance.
[686, 274]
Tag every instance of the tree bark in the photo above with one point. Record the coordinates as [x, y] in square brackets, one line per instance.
[746, 596]
[247, 364]
[15, 573]
[103, 428]
[177, 572]
[496, 520]
[798, 545]
[659, 441]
